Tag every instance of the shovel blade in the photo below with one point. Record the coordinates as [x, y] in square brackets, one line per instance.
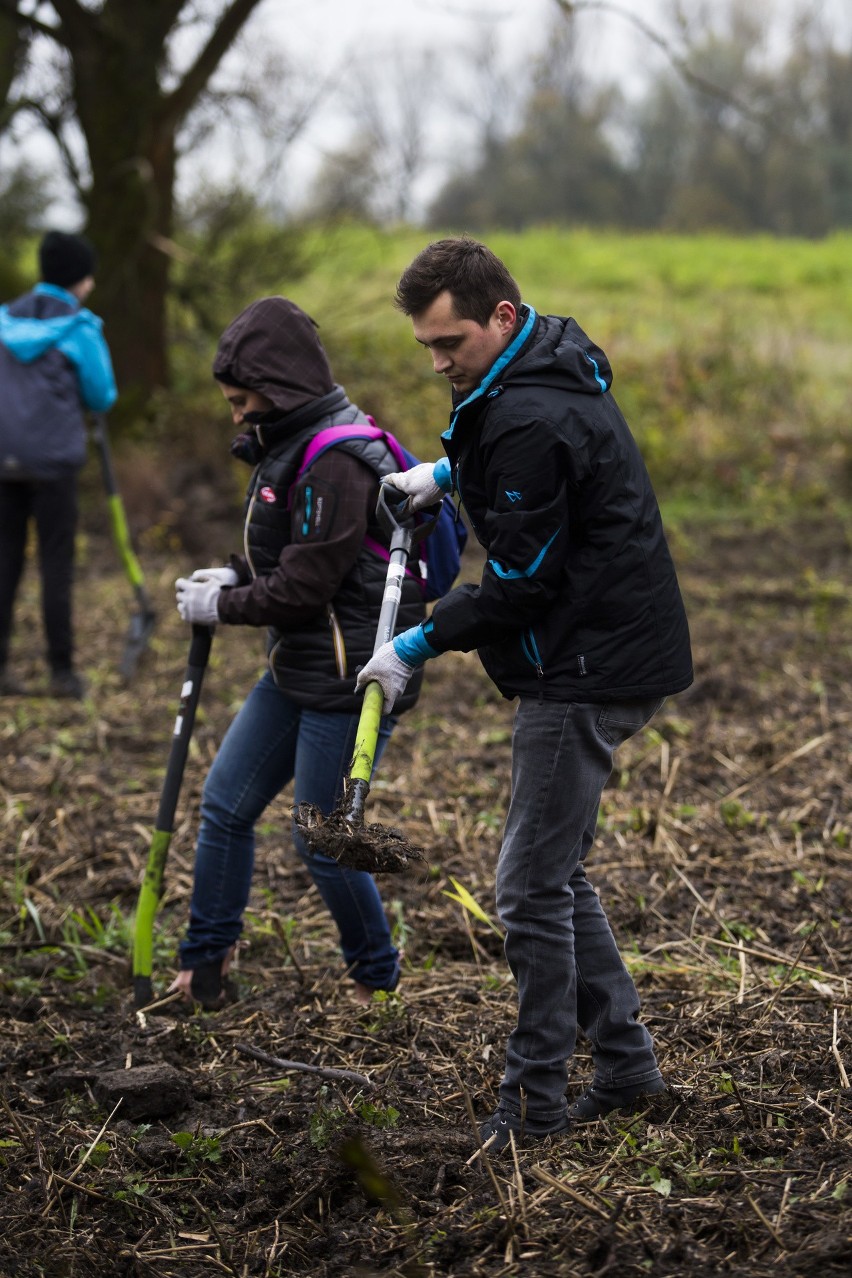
[139, 632]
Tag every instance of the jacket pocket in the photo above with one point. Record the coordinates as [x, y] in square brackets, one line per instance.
[618, 720]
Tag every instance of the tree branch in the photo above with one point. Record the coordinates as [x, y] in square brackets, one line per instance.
[322, 1070]
[28, 22]
[572, 7]
[179, 102]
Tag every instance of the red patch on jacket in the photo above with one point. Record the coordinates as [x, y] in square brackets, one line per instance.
[268, 494]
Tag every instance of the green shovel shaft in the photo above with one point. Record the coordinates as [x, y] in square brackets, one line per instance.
[121, 537]
[146, 909]
[367, 733]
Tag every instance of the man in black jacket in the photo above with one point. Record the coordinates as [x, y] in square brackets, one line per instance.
[579, 615]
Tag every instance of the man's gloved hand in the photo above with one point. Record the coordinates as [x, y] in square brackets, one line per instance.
[388, 670]
[418, 484]
[197, 601]
[224, 576]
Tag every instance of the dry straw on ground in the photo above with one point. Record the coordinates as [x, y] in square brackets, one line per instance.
[724, 861]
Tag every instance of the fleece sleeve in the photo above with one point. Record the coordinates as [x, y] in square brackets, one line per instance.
[329, 516]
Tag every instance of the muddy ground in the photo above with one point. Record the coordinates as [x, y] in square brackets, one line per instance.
[724, 862]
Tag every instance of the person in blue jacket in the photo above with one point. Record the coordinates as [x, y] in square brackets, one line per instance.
[579, 616]
[54, 366]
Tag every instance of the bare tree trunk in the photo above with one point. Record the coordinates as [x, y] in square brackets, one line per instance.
[130, 120]
[130, 220]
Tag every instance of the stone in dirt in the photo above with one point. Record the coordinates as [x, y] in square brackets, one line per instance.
[146, 1091]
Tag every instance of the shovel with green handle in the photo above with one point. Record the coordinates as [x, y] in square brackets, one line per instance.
[152, 884]
[143, 620]
[343, 835]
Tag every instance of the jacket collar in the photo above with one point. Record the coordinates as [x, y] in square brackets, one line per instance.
[272, 429]
[61, 294]
[504, 358]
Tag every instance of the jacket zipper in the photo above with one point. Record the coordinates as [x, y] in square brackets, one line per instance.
[337, 640]
[246, 529]
[531, 652]
[270, 661]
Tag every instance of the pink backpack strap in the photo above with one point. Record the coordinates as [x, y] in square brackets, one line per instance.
[335, 435]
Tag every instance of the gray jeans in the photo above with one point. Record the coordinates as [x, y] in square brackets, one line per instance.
[558, 942]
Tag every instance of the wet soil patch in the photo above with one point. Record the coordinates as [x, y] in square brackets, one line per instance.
[723, 857]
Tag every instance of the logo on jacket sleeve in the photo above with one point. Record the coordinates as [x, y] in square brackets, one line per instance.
[267, 494]
[513, 494]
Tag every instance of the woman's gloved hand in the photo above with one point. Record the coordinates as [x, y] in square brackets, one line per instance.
[197, 601]
[225, 576]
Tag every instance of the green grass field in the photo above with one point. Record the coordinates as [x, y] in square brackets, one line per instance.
[732, 356]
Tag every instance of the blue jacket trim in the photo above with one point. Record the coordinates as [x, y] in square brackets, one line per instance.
[495, 370]
[78, 335]
[512, 574]
[600, 381]
[412, 646]
[442, 473]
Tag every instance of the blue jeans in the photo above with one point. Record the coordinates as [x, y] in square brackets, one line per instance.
[559, 945]
[271, 742]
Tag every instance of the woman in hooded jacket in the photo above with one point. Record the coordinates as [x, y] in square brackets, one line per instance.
[309, 573]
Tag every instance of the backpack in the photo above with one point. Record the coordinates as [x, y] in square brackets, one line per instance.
[440, 552]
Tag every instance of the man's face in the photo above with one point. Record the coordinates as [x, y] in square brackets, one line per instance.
[462, 350]
[243, 401]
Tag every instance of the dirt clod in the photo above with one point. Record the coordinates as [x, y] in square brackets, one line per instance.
[373, 847]
[145, 1091]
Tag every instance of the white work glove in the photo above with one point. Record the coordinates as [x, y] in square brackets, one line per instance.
[418, 484]
[388, 670]
[197, 600]
[224, 576]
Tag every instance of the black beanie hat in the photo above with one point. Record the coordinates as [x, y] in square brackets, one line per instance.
[65, 259]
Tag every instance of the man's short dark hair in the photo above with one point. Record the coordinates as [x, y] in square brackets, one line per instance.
[468, 270]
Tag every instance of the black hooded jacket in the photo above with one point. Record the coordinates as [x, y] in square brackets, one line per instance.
[579, 599]
[307, 573]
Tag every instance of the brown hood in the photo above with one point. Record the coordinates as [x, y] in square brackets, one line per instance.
[272, 347]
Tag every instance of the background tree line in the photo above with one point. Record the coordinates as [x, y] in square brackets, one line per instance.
[738, 117]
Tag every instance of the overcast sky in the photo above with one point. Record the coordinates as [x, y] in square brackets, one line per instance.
[331, 42]
[337, 39]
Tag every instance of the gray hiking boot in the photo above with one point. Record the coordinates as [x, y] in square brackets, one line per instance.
[10, 685]
[494, 1132]
[597, 1102]
[67, 684]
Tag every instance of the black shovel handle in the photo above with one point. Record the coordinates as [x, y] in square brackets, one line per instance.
[396, 516]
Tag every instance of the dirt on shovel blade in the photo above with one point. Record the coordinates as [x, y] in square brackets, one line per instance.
[377, 848]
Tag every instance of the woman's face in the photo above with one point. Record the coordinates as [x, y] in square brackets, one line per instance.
[244, 401]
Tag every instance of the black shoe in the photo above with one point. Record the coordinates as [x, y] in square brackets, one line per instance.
[494, 1133]
[65, 683]
[10, 685]
[207, 985]
[597, 1102]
